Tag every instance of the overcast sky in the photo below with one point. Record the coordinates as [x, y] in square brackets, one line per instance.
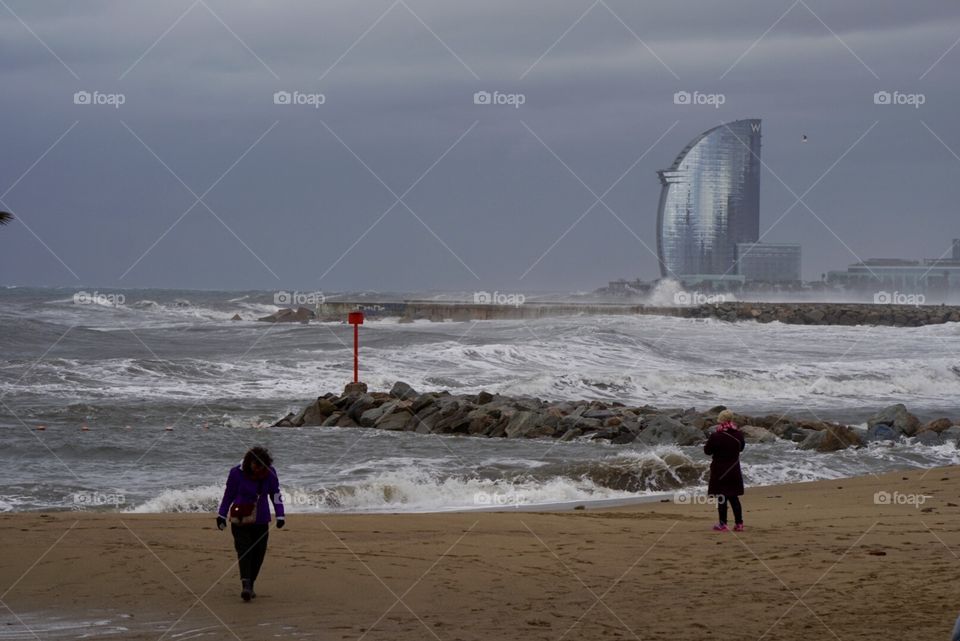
[399, 181]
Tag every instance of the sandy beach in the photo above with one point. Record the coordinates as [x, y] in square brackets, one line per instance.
[819, 560]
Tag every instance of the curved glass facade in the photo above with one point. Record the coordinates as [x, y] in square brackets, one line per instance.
[710, 201]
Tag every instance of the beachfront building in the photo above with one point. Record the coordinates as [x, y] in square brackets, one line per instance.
[709, 202]
[769, 262]
[937, 279]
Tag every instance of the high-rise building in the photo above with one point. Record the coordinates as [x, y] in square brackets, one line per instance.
[710, 201]
[769, 262]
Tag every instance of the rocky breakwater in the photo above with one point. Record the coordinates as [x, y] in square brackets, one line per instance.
[829, 313]
[496, 416]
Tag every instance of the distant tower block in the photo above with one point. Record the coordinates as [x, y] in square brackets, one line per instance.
[710, 201]
[956, 249]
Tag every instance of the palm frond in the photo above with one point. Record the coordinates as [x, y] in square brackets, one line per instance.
[5, 217]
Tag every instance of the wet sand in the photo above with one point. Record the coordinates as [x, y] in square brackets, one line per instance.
[819, 560]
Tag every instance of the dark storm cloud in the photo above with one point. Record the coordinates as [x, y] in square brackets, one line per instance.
[502, 208]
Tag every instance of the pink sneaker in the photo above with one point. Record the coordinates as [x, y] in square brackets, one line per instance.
[720, 527]
[738, 527]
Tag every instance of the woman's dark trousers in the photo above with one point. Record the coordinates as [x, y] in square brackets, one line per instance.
[250, 542]
[734, 502]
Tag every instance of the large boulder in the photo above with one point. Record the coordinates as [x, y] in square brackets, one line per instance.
[403, 391]
[333, 419]
[662, 430]
[938, 425]
[832, 439]
[361, 405]
[286, 421]
[423, 401]
[929, 437]
[951, 435]
[897, 417]
[526, 424]
[754, 434]
[315, 413]
[370, 417]
[482, 420]
[397, 421]
[881, 432]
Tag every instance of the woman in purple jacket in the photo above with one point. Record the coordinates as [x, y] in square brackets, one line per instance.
[245, 505]
[726, 479]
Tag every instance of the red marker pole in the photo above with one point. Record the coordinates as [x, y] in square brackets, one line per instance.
[356, 319]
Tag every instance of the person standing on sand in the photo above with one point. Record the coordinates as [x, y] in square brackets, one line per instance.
[245, 505]
[726, 479]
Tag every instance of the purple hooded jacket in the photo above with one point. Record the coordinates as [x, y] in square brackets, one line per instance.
[243, 489]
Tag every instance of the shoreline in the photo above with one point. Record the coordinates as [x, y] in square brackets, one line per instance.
[508, 575]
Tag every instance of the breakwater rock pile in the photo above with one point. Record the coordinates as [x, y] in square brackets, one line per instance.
[496, 416]
[829, 313]
[790, 313]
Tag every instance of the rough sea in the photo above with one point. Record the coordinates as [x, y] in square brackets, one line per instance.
[147, 397]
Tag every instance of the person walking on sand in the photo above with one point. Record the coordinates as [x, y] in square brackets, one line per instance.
[245, 505]
[726, 479]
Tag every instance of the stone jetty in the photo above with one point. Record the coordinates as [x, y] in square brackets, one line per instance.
[497, 416]
[789, 313]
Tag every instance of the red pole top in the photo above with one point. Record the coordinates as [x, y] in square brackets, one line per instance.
[355, 318]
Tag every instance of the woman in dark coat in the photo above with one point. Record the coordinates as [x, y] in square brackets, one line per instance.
[245, 505]
[726, 479]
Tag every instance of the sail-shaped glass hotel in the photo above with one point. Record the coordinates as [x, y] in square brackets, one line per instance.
[710, 201]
